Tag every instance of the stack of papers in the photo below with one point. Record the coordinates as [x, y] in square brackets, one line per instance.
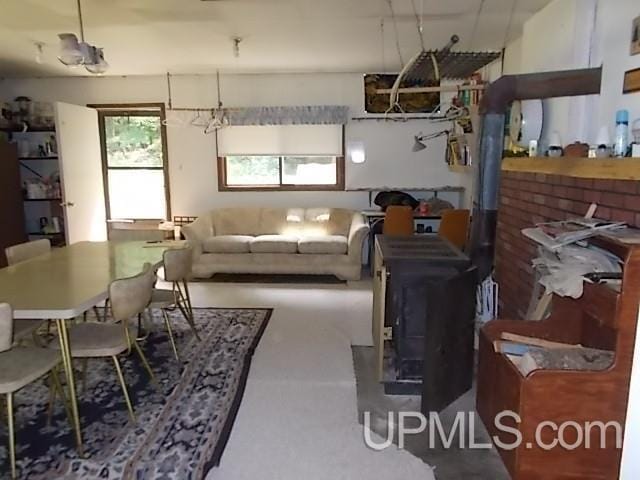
[558, 234]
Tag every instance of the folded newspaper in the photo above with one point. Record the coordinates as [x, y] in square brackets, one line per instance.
[554, 235]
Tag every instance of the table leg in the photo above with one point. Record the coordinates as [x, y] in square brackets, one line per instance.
[67, 363]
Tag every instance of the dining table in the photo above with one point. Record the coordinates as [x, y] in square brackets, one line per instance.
[66, 282]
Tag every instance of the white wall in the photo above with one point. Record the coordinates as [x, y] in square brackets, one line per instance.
[580, 34]
[388, 147]
[613, 38]
[192, 154]
[559, 37]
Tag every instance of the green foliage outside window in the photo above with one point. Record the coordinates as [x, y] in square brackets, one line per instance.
[133, 141]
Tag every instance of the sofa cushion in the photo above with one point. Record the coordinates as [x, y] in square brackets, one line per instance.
[274, 244]
[332, 244]
[236, 221]
[227, 244]
[327, 221]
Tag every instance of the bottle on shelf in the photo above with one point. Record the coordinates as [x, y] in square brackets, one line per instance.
[621, 145]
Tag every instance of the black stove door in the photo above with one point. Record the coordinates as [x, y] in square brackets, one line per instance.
[449, 338]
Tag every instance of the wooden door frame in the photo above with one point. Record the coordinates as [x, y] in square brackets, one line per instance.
[133, 109]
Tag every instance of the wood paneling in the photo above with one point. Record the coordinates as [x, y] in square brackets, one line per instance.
[12, 230]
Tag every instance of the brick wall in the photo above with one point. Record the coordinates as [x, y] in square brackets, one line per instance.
[530, 198]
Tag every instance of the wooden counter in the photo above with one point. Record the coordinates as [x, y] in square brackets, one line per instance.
[607, 168]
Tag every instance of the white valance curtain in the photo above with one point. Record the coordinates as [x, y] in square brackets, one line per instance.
[301, 115]
[281, 140]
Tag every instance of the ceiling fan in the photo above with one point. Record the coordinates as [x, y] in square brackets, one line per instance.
[74, 53]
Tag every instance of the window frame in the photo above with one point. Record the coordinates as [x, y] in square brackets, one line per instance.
[132, 110]
[223, 186]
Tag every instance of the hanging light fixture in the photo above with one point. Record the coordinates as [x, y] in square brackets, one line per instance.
[74, 53]
[70, 51]
[98, 64]
[236, 46]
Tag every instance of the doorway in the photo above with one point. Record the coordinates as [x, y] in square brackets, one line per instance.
[133, 142]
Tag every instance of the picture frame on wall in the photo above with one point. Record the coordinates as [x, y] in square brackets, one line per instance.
[635, 37]
[631, 81]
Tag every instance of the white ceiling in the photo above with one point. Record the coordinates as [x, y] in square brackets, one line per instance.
[194, 36]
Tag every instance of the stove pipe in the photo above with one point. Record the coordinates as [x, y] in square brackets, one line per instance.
[495, 103]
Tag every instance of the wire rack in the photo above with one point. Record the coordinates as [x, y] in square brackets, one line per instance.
[452, 65]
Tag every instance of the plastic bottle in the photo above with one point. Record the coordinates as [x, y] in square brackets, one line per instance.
[622, 133]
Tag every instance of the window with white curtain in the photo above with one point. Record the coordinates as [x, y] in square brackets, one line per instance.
[281, 157]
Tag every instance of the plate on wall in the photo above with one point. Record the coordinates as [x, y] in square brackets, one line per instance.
[525, 123]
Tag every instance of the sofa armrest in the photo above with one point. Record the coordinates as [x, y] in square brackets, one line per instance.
[357, 233]
[196, 232]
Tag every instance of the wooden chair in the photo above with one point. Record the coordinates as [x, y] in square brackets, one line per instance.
[20, 366]
[454, 226]
[603, 318]
[24, 328]
[177, 269]
[128, 298]
[398, 221]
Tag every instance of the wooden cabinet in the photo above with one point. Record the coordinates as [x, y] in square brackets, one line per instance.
[423, 318]
[11, 211]
[603, 318]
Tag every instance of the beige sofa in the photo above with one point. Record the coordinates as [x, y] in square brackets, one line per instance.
[323, 241]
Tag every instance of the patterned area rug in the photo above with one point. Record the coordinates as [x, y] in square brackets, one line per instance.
[182, 424]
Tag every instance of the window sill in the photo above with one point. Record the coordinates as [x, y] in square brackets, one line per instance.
[282, 188]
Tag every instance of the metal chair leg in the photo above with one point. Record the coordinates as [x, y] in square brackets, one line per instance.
[187, 312]
[144, 361]
[52, 398]
[167, 322]
[83, 380]
[186, 292]
[124, 388]
[105, 313]
[12, 439]
[55, 382]
[67, 362]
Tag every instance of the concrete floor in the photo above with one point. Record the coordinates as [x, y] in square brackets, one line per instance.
[450, 463]
[345, 310]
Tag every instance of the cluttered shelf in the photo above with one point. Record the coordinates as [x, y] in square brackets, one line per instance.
[606, 168]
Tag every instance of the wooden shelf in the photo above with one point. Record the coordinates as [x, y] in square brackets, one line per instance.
[30, 130]
[606, 168]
